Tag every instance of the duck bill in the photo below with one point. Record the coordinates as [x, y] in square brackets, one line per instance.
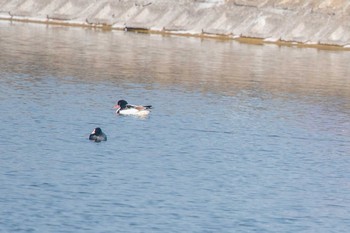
[117, 107]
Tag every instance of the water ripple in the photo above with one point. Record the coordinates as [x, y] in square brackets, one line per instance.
[242, 138]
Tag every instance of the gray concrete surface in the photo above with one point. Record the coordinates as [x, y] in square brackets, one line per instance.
[305, 21]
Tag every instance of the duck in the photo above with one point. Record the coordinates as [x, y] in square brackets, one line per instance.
[123, 108]
[97, 135]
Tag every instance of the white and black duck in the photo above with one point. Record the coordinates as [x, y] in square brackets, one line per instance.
[124, 108]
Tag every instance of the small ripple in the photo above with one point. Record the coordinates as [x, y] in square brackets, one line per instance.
[207, 131]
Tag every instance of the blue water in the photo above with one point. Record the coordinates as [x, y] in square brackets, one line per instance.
[242, 138]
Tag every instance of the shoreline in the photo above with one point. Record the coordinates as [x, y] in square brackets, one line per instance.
[244, 40]
[282, 23]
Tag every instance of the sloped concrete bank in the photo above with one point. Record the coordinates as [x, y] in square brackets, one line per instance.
[308, 22]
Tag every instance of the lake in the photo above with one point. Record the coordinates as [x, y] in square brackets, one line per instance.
[241, 137]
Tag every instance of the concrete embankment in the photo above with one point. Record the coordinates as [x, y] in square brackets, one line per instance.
[311, 22]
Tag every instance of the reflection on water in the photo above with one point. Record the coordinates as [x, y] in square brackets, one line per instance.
[242, 138]
[206, 65]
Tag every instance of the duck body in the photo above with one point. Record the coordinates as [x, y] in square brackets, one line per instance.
[133, 111]
[123, 108]
[97, 135]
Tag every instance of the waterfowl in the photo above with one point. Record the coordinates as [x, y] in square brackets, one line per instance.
[97, 135]
[123, 108]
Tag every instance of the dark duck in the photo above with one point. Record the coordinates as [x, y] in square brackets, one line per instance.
[97, 135]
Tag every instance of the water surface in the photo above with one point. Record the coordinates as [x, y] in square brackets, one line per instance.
[242, 138]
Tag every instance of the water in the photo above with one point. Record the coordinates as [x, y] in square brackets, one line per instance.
[242, 138]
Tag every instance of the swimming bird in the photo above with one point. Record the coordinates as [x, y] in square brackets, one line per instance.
[97, 135]
[123, 108]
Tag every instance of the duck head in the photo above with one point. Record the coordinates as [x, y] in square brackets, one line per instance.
[97, 131]
[121, 105]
